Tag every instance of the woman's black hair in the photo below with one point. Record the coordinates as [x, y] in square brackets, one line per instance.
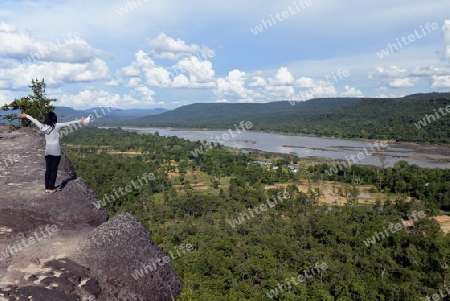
[51, 119]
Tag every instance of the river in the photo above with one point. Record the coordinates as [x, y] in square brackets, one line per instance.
[306, 146]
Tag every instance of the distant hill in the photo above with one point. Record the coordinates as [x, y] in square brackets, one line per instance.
[102, 115]
[224, 115]
[401, 119]
[105, 115]
[415, 118]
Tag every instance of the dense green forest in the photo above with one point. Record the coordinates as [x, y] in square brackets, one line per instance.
[347, 118]
[240, 254]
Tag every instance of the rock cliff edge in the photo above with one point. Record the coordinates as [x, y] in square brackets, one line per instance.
[59, 246]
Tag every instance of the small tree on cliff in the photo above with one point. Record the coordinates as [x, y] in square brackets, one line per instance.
[35, 104]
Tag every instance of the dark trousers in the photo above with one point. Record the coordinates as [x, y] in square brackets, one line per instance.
[51, 172]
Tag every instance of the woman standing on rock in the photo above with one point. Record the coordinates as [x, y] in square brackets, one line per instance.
[53, 152]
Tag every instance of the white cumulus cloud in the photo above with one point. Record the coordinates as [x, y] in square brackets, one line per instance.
[55, 73]
[69, 48]
[441, 81]
[199, 71]
[165, 47]
[282, 78]
[258, 82]
[388, 72]
[233, 85]
[90, 98]
[403, 82]
[352, 92]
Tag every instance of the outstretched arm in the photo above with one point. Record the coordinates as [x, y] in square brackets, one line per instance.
[37, 123]
[64, 124]
[40, 125]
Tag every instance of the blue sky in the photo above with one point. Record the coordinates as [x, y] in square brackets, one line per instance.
[166, 53]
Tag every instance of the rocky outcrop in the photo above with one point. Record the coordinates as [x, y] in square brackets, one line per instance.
[60, 246]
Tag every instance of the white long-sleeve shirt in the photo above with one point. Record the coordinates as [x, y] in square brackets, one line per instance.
[52, 145]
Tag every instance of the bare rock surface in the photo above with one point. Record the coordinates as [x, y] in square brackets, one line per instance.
[60, 246]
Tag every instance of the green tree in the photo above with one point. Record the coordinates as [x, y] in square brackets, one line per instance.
[35, 104]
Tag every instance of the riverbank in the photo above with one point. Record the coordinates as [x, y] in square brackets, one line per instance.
[322, 149]
[445, 145]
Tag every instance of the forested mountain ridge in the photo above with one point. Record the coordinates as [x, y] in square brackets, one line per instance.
[415, 118]
[221, 115]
